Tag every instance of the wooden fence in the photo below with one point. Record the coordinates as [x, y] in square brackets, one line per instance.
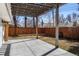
[67, 32]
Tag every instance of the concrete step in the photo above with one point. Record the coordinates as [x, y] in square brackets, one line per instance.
[3, 50]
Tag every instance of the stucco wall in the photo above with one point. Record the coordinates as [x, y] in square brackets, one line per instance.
[1, 33]
[5, 14]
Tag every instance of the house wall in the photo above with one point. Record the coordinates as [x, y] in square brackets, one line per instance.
[1, 33]
[5, 14]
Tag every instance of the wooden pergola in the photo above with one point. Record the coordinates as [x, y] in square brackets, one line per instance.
[35, 10]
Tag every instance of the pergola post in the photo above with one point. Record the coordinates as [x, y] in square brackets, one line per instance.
[6, 28]
[36, 27]
[57, 27]
[15, 24]
[34, 22]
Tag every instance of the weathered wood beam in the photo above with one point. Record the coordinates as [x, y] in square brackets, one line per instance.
[15, 24]
[34, 22]
[36, 27]
[22, 8]
[6, 30]
[57, 27]
[32, 10]
[33, 5]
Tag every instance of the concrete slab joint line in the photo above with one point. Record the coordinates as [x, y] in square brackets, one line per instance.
[49, 51]
[30, 49]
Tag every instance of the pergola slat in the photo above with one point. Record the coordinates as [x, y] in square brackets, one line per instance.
[31, 9]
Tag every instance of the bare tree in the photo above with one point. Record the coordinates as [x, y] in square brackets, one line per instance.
[75, 19]
[49, 20]
[69, 18]
[62, 18]
[74, 15]
[42, 22]
[53, 16]
[34, 22]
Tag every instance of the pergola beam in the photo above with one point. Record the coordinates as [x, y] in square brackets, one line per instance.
[35, 9]
[23, 10]
[57, 27]
[15, 23]
[6, 27]
[36, 27]
[34, 22]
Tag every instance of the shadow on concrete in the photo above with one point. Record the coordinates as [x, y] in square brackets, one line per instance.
[49, 51]
[7, 52]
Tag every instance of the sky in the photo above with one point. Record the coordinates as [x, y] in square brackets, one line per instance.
[68, 9]
[65, 10]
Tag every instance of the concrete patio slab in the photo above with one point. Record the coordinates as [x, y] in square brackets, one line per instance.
[60, 52]
[36, 47]
[14, 40]
[39, 47]
[66, 54]
[20, 49]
